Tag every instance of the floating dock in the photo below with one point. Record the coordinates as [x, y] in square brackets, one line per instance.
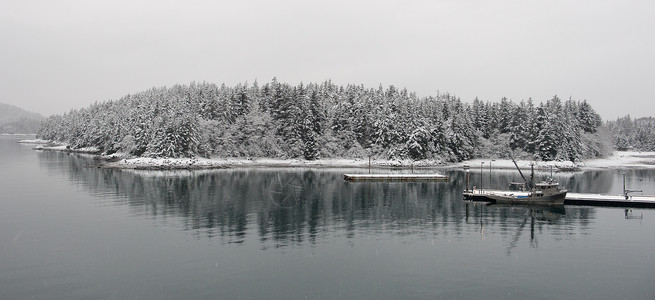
[576, 199]
[609, 200]
[395, 177]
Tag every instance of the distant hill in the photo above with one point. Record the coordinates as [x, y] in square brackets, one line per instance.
[17, 120]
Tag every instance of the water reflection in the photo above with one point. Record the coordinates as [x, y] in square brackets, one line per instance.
[287, 206]
[77, 231]
[630, 215]
[536, 216]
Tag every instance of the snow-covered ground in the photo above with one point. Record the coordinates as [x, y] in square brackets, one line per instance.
[54, 146]
[623, 159]
[66, 149]
[204, 163]
[508, 164]
[618, 160]
[35, 141]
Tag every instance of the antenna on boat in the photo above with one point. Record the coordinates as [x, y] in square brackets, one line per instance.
[531, 175]
[468, 176]
[517, 167]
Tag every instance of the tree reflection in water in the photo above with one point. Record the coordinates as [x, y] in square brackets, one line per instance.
[287, 206]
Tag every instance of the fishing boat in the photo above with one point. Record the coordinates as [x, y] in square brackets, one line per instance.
[541, 193]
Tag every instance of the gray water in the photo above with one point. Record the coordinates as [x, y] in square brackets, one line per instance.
[70, 230]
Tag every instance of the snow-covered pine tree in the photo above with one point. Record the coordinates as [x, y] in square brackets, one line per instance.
[339, 120]
[588, 118]
[504, 115]
[519, 127]
[570, 141]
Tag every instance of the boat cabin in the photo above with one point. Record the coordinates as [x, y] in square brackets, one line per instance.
[546, 188]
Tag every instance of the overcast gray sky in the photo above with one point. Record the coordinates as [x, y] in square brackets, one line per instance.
[65, 54]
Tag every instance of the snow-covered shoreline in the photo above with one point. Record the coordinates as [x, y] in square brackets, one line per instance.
[47, 146]
[35, 141]
[618, 160]
[147, 163]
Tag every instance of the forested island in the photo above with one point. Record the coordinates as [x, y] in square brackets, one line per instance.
[310, 121]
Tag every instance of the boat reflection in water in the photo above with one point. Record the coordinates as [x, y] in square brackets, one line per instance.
[537, 215]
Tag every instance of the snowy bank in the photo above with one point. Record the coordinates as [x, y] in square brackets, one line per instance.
[35, 141]
[50, 146]
[523, 164]
[207, 163]
[618, 160]
[623, 160]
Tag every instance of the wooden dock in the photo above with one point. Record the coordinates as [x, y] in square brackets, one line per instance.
[609, 200]
[395, 177]
[578, 199]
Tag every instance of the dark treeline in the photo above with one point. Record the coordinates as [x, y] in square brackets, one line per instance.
[326, 121]
[636, 134]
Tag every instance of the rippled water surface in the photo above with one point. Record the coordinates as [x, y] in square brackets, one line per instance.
[70, 230]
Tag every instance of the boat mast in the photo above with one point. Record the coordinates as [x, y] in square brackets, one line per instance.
[524, 180]
[531, 175]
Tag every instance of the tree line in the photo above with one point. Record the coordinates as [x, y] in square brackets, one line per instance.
[632, 134]
[326, 120]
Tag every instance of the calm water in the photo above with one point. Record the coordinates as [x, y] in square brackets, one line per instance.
[69, 230]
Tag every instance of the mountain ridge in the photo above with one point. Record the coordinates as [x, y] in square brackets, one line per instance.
[14, 120]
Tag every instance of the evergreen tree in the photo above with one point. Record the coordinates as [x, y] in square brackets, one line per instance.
[327, 120]
[588, 118]
[546, 141]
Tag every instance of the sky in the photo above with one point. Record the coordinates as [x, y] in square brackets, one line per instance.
[67, 54]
